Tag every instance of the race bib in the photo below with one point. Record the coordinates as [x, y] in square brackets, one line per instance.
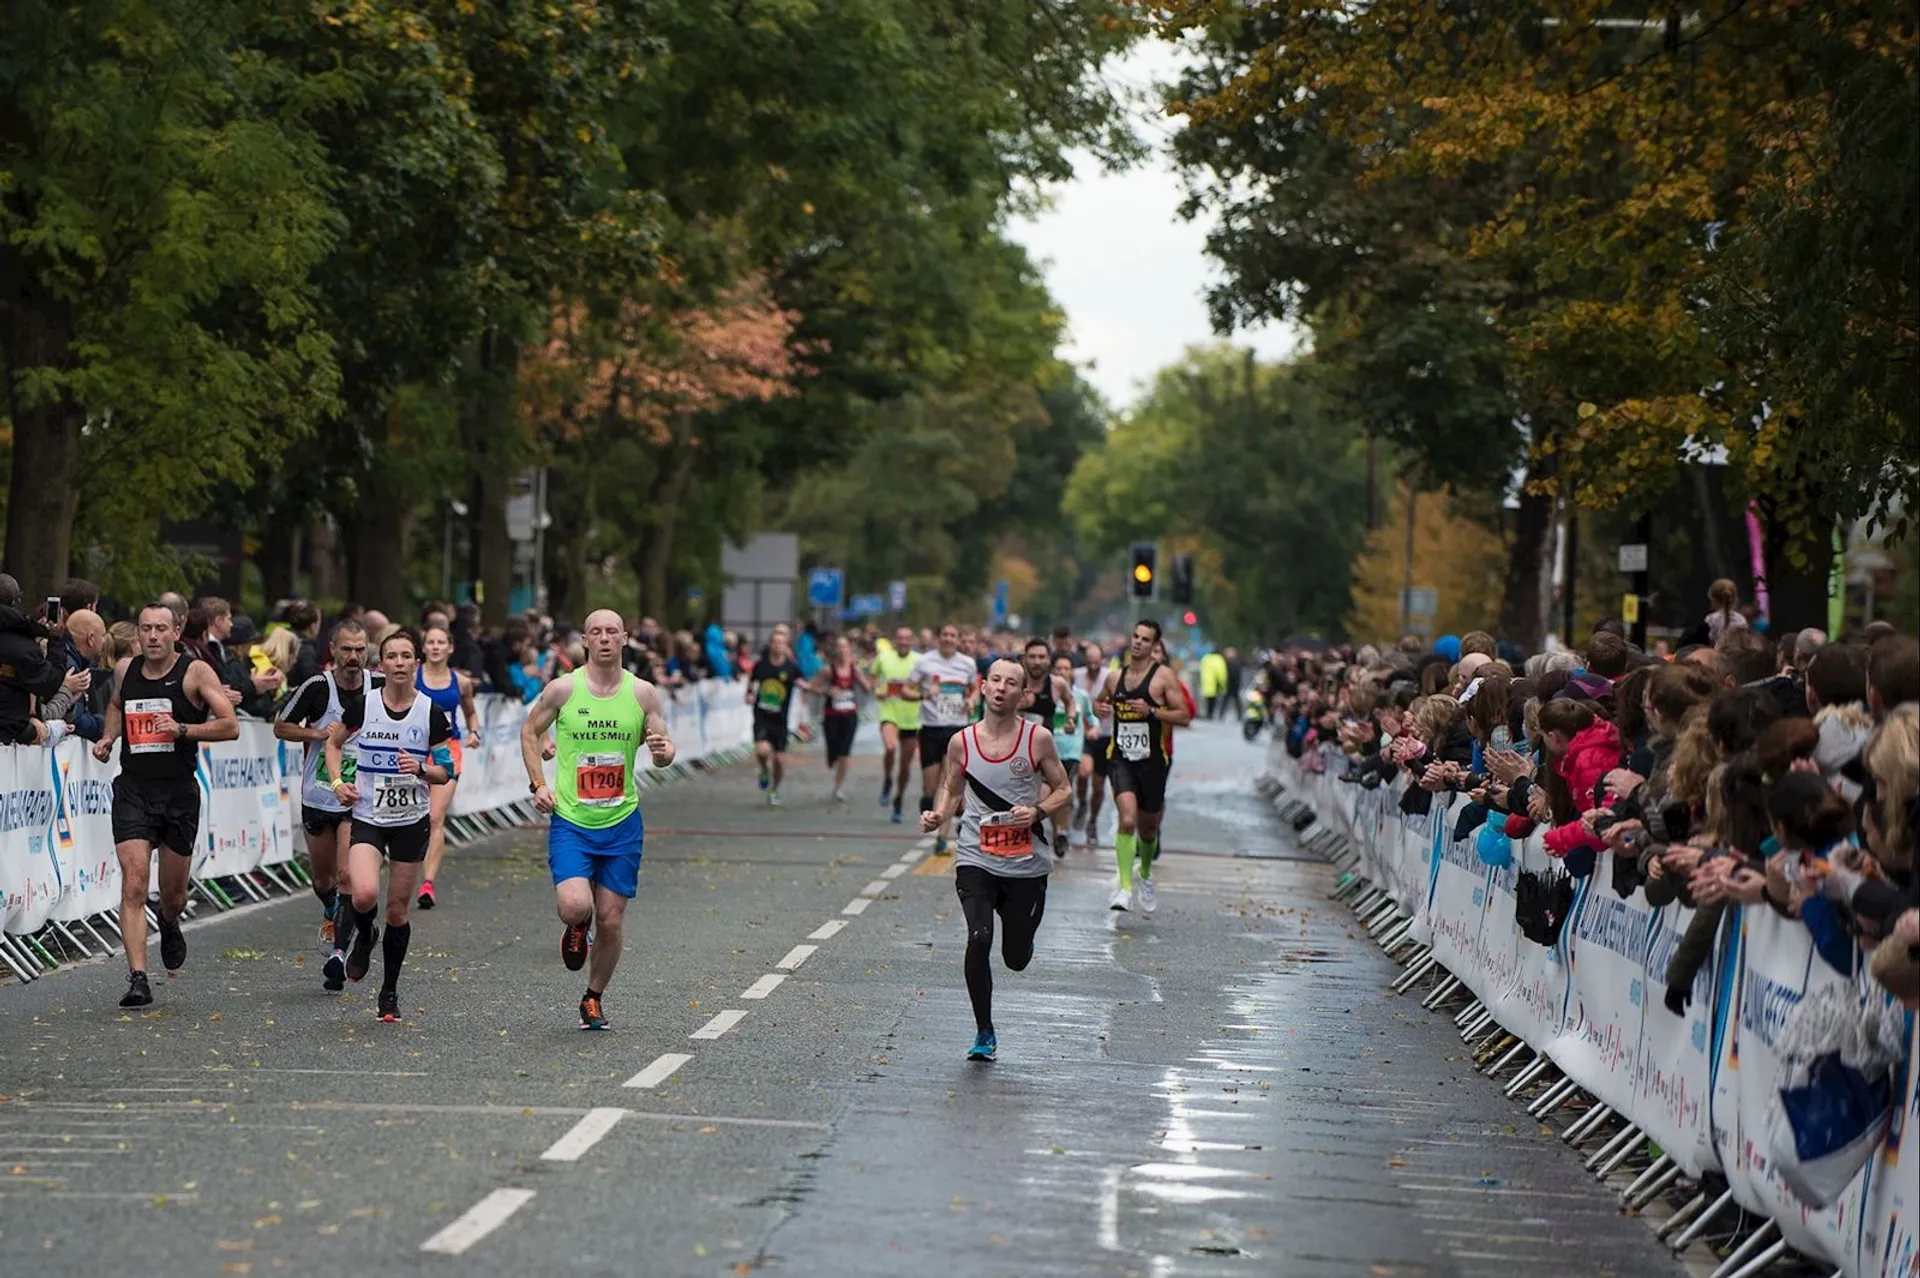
[843, 702]
[1133, 739]
[1001, 836]
[397, 794]
[600, 780]
[949, 701]
[144, 734]
[773, 695]
[896, 689]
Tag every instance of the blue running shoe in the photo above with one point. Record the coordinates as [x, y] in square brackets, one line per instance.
[766, 778]
[886, 793]
[897, 818]
[985, 1047]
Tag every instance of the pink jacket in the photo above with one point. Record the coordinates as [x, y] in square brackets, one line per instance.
[1589, 757]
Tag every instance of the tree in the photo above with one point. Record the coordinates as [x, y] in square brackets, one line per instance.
[1454, 555]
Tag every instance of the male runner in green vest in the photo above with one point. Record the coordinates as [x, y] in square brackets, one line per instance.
[600, 715]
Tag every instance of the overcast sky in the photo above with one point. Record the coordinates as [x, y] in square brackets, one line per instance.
[1130, 273]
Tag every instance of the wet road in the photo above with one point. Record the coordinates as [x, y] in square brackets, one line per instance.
[1225, 1088]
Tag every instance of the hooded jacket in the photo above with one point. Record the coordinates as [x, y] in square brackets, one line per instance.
[25, 673]
[1844, 730]
[1589, 757]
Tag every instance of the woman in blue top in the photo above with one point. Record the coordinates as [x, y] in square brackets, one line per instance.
[452, 692]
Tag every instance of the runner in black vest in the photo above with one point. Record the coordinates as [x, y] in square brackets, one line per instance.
[1146, 702]
[162, 702]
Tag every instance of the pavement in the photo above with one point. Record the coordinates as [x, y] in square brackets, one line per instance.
[1225, 1088]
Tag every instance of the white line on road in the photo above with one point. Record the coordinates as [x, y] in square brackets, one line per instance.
[764, 986]
[795, 957]
[826, 930]
[585, 1135]
[874, 888]
[894, 871]
[1110, 1208]
[858, 905]
[663, 1068]
[720, 1024]
[481, 1219]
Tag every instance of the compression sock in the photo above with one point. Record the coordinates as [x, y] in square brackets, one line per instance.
[979, 967]
[1149, 848]
[363, 924]
[327, 899]
[393, 949]
[1124, 848]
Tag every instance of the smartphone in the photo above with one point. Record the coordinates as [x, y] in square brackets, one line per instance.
[55, 615]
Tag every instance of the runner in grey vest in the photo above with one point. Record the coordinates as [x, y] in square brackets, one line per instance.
[1003, 776]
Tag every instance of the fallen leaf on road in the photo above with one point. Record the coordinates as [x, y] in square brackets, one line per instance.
[708, 1131]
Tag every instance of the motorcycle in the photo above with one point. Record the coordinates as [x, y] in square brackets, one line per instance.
[1256, 716]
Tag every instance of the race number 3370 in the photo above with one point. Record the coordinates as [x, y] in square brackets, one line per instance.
[1001, 836]
[144, 735]
[600, 780]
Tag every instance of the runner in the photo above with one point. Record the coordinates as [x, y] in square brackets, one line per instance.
[316, 706]
[839, 683]
[400, 747]
[452, 691]
[1070, 738]
[1147, 702]
[601, 716]
[770, 693]
[1048, 703]
[899, 715]
[1091, 784]
[1003, 778]
[948, 683]
[167, 703]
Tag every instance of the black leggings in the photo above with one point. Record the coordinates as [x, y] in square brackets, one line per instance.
[1020, 903]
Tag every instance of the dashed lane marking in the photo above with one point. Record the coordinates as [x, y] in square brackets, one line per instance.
[826, 930]
[894, 871]
[858, 905]
[584, 1135]
[764, 986]
[720, 1024]
[480, 1220]
[874, 888]
[662, 1068]
[795, 957]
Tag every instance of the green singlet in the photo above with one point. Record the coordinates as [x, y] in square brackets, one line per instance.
[596, 739]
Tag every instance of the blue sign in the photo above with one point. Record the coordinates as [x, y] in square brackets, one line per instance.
[1000, 603]
[866, 605]
[897, 597]
[825, 587]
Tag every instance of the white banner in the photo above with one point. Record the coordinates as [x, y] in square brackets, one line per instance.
[1700, 1085]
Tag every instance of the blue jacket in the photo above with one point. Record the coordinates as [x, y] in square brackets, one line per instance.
[715, 640]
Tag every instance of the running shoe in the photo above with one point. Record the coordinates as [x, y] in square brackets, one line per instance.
[573, 946]
[1060, 845]
[139, 993]
[591, 1016]
[360, 957]
[426, 895]
[773, 799]
[390, 1006]
[985, 1047]
[939, 845]
[886, 792]
[1144, 887]
[839, 796]
[334, 972]
[766, 778]
[326, 933]
[173, 943]
[897, 818]
[1122, 900]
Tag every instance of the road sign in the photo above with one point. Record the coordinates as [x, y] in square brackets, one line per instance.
[866, 605]
[897, 597]
[1633, 558]
[825, 587]
[1000, 589]
[1420, 601]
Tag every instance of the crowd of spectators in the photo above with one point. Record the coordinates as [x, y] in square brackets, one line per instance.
[1778, 772]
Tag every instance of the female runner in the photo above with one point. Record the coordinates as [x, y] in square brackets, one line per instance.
[452, 691]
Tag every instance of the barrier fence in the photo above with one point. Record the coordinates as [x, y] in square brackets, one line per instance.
[1700, 1086]
[60, 880]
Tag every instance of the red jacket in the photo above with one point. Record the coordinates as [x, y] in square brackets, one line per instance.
[1589, 757]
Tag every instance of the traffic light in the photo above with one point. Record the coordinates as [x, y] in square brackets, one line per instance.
[1142, 554]
[1183, 579]
[1190, 618]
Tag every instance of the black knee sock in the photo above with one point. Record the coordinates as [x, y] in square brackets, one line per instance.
[980, 977]
[393, 948]
[926, 803]
[362, 922]
[327, 898]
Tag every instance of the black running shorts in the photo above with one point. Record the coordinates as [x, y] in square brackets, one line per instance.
[839, 730]
[319, 821]
[1146, 782]
[401, 843]
[934, 740]
[771, 727]
[165, 813]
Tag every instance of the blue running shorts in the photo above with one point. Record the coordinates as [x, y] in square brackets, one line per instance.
[608, 858]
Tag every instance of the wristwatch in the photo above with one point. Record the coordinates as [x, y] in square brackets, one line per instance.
[533, 787]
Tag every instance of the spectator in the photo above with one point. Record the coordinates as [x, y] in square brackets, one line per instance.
[715, 641]
[123, 640]
[1837, 695]
[1724, 598]
[1478, 641]
[1236, 677]
[1213, 682]
[469, 654]
[1893, 674]
[83, 703]
[261, 683]
[1607, 655]
[303, 618]
[282, 649]
[26, 676]
[1747, 657]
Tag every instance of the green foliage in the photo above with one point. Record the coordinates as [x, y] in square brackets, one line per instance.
[1249, 462]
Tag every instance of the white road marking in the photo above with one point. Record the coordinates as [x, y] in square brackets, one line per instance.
[663, 1068]
[480, 1220]
[894, 871]
[585, 1135]
[1110, 1208]
[795, 957]
[826, 930]
[858, 905]
[874, 888]
[720, 1024]
[764, 986]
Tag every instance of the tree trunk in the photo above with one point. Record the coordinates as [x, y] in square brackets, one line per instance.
[655, 553]
[326, 571]
[1523, 607]
[41, 498]
[380, 557]
[275, 561]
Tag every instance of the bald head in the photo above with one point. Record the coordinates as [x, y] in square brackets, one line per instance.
[605, 634]
[88, 632]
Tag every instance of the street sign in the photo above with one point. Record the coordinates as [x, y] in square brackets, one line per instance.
[1000, 589]
[1420, 601]
[825, 587]
[1633, 558]
[897, 597]
[866, 605]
